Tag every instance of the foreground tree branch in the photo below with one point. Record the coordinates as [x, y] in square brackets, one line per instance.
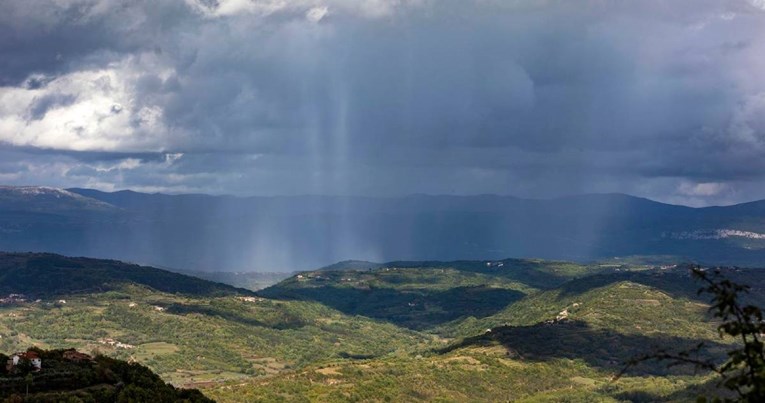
[743, 372]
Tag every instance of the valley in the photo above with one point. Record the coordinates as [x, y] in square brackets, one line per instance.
[513, 329]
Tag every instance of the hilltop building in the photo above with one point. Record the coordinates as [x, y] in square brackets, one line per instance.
[30, 356]
[76, 356]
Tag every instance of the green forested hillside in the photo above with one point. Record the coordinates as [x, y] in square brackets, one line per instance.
[631, 300]
[407, 331]
[423, 295]
[477, 373]
[196, 331]
[82, 378]
[49, 275]
[563, 338]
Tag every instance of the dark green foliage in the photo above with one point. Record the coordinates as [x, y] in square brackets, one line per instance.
[426, 295]
[414, 308]
[600, 348]
[251, 280]
[97, 380]
[44, 275]
[743, 372]
[532, 272]
[352, 265]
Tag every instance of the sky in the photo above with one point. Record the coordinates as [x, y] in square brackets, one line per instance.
[660, 99]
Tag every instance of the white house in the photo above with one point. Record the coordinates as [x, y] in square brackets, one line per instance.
[33, 358]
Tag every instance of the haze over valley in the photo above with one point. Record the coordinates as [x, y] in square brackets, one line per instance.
[272, 234]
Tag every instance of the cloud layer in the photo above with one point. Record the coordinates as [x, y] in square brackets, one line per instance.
[387, 97]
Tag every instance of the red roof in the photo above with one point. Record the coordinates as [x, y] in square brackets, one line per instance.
[29, 355]
[76, 355]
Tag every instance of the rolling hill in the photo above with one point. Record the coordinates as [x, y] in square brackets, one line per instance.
[188, 330]
[403, 331]
[71, 376]
[420, 295]
[49, 200]
[563, 338]
[49, 275]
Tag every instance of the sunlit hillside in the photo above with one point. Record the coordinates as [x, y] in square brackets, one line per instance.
[476, 330]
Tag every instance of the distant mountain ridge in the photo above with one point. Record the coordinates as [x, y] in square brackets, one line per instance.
[285, 233]
[47, 199]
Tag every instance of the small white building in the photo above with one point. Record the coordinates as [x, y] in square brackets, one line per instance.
[31, 356]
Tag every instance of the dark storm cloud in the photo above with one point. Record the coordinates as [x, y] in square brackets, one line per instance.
[662, 99]
[40, 36]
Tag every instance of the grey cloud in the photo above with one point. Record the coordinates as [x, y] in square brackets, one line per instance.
[41, 106]
[527, 98]
[41, 36]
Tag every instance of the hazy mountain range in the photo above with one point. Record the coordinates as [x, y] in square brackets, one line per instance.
[202, 232]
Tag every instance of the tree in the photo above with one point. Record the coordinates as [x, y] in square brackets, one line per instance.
[28, 380]
[24, 366]
[743, 372]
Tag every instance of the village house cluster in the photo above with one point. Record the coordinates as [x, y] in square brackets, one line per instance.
[33, 358]
[115, 343]
[251, 299]
[563, 316]
[311, 276]
[13, 299]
